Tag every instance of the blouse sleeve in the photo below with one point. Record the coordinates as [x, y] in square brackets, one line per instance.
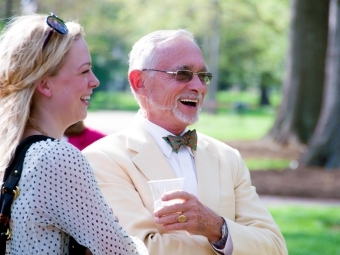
[73, 202]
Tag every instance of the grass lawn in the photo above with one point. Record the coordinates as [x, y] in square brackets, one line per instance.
[232, 126]
[266, 163]
[309, 230]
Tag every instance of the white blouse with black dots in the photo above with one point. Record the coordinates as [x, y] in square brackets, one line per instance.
[60, 197]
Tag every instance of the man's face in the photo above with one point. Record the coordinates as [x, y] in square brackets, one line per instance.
[174, 104]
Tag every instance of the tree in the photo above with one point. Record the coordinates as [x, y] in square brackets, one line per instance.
[303, 84]
[213, 49]
[240, 39]
[324, 146]
[8, 8]
[265, 83]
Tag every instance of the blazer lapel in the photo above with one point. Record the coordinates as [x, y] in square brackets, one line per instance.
[207, 175]
[149, 158]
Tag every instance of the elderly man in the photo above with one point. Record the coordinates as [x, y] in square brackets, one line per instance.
[221, 212]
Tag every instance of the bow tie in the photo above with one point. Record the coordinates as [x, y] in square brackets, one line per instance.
[188, 139]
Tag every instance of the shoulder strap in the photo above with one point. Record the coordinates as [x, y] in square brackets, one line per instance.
[19, 155]
[9, 191]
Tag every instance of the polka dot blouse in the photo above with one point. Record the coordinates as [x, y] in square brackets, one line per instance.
[60, 197]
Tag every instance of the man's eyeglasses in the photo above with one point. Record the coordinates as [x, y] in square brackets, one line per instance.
[186, 75]
[57, 25]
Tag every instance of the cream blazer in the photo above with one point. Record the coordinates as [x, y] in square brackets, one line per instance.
[123, 163]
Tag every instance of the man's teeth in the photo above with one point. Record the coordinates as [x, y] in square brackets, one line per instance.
[85, 98]
[189, 100]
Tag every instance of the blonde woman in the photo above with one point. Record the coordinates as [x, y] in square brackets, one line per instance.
[46, 82]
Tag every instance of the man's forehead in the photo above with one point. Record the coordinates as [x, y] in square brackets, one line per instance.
[181, 54]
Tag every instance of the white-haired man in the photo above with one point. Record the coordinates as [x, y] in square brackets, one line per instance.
[221, 212]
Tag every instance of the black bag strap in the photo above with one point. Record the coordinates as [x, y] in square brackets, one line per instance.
[14, 170]
[9, 189]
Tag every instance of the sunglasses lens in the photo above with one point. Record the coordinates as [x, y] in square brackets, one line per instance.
[184, 75]
[57, 24]
[205, 77]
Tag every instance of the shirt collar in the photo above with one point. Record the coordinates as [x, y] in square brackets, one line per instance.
[157, 133]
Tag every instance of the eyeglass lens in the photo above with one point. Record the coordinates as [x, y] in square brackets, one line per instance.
[186, 76]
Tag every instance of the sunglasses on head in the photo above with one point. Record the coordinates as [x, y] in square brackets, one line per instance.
[186, 75]
[57, 25]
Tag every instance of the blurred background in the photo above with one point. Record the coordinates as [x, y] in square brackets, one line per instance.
[274, 94]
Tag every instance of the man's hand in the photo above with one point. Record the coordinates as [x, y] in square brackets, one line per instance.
[200, 219]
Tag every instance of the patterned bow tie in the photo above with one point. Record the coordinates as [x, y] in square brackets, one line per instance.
[188, 139]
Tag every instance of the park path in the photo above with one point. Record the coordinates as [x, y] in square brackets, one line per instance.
[112, 121]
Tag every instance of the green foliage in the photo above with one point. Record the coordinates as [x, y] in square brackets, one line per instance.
[254, 41]
[309, 230]
[253, 34]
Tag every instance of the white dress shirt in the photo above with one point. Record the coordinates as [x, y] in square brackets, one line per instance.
[182, 162]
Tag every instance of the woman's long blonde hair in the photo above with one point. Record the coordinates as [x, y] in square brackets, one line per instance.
[23, 62]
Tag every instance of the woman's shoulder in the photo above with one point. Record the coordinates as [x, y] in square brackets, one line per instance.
[54, 149]
[59, 157]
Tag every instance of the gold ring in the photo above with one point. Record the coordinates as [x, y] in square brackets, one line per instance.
[182, 218]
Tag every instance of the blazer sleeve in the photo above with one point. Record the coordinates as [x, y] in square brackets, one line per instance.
[253, 230]
[225, 187]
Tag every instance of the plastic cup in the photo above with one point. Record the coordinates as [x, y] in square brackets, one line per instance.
[159, 187]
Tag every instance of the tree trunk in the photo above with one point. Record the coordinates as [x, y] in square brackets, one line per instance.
[264, 98]
[266, 81]
[8, 9]
[304, 79]
[213, 42]
[324, 147]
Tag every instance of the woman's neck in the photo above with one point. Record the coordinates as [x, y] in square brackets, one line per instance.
[31, 131]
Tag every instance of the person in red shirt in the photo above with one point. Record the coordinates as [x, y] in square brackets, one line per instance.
[81, 136]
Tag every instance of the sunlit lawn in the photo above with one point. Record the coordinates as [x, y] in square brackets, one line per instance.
[309, 230]
[234, 126]
[267, 163]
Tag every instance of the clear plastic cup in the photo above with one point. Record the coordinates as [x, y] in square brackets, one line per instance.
[159, 187]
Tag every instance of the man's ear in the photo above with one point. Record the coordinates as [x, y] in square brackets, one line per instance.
[136, 82]
[43, 88]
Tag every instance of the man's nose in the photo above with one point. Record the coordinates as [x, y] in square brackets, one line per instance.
[197, 85]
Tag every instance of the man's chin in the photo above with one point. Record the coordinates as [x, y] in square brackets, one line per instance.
[188, 120]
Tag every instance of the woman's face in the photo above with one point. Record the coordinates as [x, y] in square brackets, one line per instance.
[73, 84]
